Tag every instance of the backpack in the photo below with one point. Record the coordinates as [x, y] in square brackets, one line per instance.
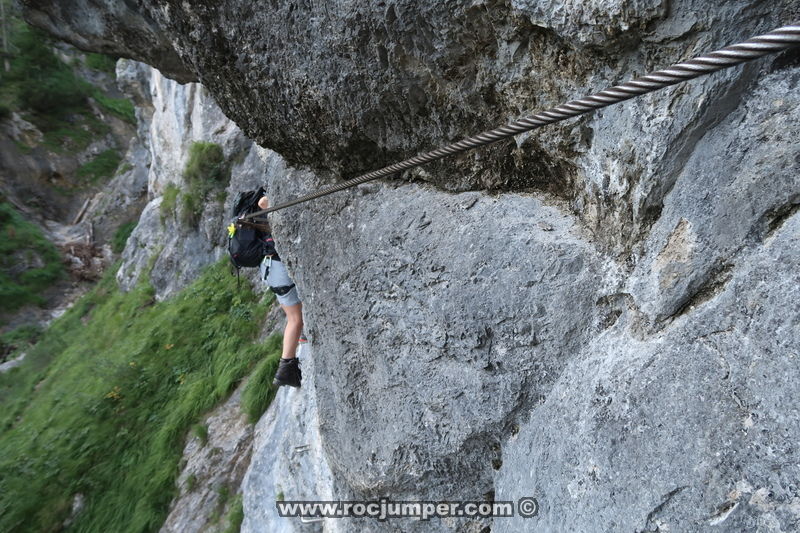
[248, 242]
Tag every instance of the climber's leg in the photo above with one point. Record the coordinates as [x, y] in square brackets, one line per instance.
[294, 326]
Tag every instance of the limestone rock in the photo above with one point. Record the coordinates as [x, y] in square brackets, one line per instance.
[613, 330]
[109, 27]
[213, 468]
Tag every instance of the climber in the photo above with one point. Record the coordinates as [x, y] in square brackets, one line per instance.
[273, 272]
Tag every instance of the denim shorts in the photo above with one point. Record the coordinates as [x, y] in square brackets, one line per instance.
[274, 274]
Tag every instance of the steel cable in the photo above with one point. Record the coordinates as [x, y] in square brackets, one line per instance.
[775, 41]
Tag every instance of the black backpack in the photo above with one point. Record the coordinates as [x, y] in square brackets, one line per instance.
[248, 242]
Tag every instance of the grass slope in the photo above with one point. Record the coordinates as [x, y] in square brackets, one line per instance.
[103, 401]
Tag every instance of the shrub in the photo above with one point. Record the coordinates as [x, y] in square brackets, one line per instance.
[168, 201]
[235, 516]
[206, 163]
[191, 207]
[101, 62]
[102, 167]
[201, 432]
[121, 236]
[205, 171]
[5, 112]
[45, 86]
[29, 263]
[43, 82]
[13, 340]
[72, 133]
[119, 107]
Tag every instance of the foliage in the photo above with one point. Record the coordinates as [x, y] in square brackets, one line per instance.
[191, 207]
[14, 340]
[205, 171]
[42, 81]
[206, 163]
[120, 237]
[201, 432]
[258, 393]
[5, 112]
[50, 95]
[119, 107]
[235, 516]
[101, 62]
[29, 263]
[69, 132]
[168, 201]
[102, 167]
[112, 388]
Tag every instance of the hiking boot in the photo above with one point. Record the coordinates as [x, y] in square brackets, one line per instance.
[288, 373]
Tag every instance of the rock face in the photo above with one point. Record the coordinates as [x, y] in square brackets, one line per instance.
[350, 87]
[616, 333]
[214, 466]
[41, 176]
[289, 461]
[172, 117]
[109, 27]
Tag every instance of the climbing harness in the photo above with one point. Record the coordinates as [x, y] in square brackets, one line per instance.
[775, 41]
[281, 290]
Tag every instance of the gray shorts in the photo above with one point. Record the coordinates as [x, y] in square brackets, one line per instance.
[274, 274]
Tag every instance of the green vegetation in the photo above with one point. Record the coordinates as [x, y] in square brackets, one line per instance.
[101, 168]
[258, 393]
[191, 209]
[102, 403]
[101, 62]
[223, 497]
[17, 339]
[206, 163]
[235, 516]
[54, 98]
[119, 107]
[168, 201]
[205, 171]
[191, 483]
[50, 95]
[29, 263]
[43, 83]
[69, 133]
[120, 237]
[224, 493]
[5, 112]
[201, 432]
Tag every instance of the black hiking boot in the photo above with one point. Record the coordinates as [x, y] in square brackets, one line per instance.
[288, 373]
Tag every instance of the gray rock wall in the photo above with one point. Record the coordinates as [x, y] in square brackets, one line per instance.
[171, 118]
[289, 462]
[613, 329]
[470, 346]
[349, 86]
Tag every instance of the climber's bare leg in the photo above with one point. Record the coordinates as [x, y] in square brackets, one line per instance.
[294, 326]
